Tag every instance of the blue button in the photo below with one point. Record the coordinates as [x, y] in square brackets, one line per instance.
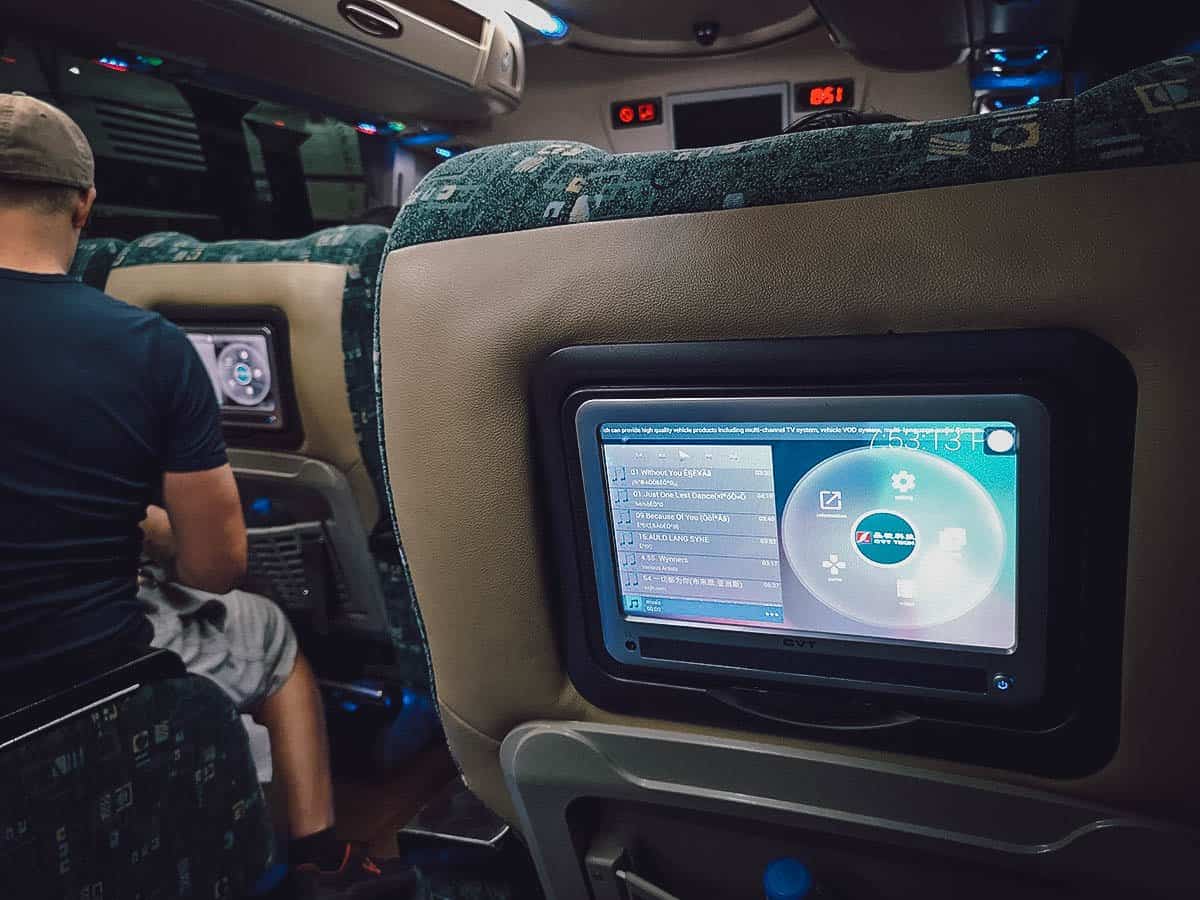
[787, 879]
[1001, 683]
[241, 373]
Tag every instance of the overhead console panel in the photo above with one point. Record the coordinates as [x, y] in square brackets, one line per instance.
[933, 34]
[449, 39]
[434, 59]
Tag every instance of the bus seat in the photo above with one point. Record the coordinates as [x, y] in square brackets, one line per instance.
[138, 782]
[325, 286]
[1061, 214]
[94, 259]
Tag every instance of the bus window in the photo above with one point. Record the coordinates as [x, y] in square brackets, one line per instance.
[175, 153]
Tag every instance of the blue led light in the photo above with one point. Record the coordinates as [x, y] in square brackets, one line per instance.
[261, 506]
[990, 81]
[1005, 57]
[444, 152]
[1033, 101]
[999, 104]
[424, 140]
[367, 128]
[556, 30]
[349, 706]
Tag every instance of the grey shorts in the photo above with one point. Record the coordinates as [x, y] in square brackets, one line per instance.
[242, 641]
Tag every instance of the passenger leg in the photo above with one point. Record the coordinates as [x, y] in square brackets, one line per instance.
[244, 643]
[295, 719]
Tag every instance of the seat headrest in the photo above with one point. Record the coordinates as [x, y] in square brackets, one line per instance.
[1150, 116]
[357, 246]
[93, 260]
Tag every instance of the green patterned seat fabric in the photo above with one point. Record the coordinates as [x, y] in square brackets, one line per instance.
[360, 249]
[153, 795]
[1150, 116]
[94, 259]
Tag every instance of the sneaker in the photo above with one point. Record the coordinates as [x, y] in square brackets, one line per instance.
[359, 877]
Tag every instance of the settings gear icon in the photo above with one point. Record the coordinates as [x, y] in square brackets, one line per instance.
[903, 481]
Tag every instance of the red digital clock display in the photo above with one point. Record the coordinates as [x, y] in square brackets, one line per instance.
[823, 94]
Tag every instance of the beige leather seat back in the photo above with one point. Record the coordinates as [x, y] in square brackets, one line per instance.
[323, 286]
[1074, 214]
[306, 281]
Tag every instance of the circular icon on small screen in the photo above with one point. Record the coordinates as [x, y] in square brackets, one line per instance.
[244, 373]
[916, 540]
[884, 538]
[1001, 440]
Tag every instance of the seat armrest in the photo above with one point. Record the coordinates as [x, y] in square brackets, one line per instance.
[23, 721]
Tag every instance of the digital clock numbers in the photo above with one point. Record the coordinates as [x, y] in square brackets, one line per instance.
[823, 94]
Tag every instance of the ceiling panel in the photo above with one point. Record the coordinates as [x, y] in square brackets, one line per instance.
[672, 20]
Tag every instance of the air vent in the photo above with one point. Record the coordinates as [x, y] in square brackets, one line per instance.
[371, 18]
[154, 137]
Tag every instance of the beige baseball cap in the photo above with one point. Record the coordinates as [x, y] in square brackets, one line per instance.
[41, 143]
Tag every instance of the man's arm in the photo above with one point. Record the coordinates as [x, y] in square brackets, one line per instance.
[209, 533]
[199, 491]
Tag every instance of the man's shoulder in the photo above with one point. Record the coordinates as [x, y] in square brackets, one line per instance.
[116, 307]
[97, 305]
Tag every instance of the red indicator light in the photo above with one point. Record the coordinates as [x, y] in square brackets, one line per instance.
[279, 123]
[636, 113]
[7, 60]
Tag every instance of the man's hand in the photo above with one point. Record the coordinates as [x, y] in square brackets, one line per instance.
[158, 540]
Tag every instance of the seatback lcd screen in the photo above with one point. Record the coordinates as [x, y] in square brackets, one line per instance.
[896, 530]
[241, 366]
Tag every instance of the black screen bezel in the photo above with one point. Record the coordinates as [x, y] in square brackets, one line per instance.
[1090, 392]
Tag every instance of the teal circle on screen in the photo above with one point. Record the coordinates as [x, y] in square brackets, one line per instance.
[945, 554]
[884, 538]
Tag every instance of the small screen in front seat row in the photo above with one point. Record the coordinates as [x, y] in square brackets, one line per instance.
[239, 361]
[897, 529]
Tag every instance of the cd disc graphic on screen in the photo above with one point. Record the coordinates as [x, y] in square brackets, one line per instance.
[893, 537]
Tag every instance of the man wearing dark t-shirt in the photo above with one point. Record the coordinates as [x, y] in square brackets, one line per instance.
[105, 409]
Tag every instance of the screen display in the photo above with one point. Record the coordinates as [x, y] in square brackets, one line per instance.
[239, 365]
[823, 94]
[711, 123]
[895, 531]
